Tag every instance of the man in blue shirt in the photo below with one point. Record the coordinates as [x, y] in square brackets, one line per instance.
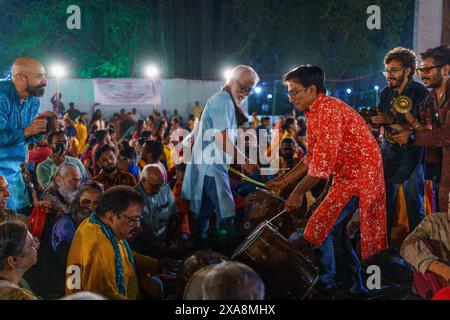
[19, 107]
[206, 182]
[403, 164]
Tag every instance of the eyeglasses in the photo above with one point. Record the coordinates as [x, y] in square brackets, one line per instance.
[133, 222]
[392, 71]
[247, 90]
[87, 202]
[426, 70]
[293, 93]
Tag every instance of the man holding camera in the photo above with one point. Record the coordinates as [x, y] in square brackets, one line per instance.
[58, 142]
[403, 164]
[20, 124]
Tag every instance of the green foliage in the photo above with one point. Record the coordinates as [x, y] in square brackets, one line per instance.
[194, 38]
[330, 33]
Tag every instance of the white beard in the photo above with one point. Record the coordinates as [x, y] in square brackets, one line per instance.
[69, 195]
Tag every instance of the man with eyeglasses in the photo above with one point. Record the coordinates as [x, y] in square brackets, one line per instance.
[159, 209]
[59, 195]
[63, 231]
[340, 145]
[206, 182]
[58, 143]
[432, 128]
[20, 124]
[403, 164]
[101, 252]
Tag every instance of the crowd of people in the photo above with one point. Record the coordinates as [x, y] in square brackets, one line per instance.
[111, 208]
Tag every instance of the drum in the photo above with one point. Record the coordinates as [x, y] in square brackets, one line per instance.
[287, 273]
[265, 206]
[193, 263]
[193, 289]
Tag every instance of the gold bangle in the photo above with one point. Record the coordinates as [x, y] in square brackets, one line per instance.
[416, 126]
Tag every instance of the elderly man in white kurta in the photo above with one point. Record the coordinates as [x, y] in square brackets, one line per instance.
[206, 183]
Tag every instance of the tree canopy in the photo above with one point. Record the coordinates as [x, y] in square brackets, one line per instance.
[197, 38]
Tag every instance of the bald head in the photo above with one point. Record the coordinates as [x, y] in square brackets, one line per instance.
[27, 65]
[29, 77]
[152, 179]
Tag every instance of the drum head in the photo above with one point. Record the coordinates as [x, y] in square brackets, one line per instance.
[253, 236]
[193, 290]
[195, 262]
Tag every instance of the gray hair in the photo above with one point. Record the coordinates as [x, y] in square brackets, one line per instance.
[239, 71]
[62, 169]
[231, 280]
[147, 169]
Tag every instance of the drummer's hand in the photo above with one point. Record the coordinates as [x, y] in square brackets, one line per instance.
[249, 168]
[382, 118]
[276, 184]
[402, 137]
[293, 202]
[410, 118]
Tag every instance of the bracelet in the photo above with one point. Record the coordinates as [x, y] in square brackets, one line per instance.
[416, 125]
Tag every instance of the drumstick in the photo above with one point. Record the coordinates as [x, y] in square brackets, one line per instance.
[248, 179]
[263, 224]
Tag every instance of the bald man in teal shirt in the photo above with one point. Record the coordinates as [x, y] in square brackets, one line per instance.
[19, 125]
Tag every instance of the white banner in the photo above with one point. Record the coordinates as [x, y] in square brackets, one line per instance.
[125, 92]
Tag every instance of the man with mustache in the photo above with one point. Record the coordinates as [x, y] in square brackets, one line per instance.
[100, 248]
[403, 164]
[58, 143]
[65, 227]
[341, 145]
[206, 183]
[109, 174]
[20, 124]
[433, 129]
[61, 193]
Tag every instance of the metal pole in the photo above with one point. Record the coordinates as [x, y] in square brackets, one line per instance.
[154, 95]
[274, 96]
[57, 97]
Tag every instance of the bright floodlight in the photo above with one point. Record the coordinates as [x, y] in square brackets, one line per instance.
[151, 71]
[258, 90]
[57, 70]
[269, 96]
[376, 88]
[227, 74]
[349, 90]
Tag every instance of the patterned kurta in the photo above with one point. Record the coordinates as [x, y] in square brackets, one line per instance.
[341, 144]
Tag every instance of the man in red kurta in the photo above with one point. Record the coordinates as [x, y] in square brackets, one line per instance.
[339, 144]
